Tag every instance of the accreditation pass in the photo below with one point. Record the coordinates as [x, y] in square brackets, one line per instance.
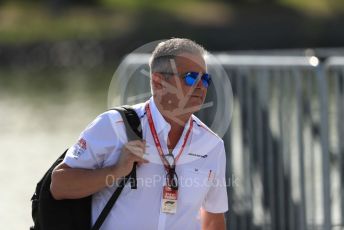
[169, 200]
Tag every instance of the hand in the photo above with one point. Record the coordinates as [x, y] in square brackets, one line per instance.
[133, 151]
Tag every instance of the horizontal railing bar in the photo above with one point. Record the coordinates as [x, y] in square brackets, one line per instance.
[244, 60]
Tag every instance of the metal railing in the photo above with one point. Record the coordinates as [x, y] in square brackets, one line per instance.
[285, 147]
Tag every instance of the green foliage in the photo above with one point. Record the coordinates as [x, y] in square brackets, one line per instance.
[29, 21]
[315, 7]
[36, 23]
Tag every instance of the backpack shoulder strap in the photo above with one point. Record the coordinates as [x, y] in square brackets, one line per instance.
[131, 121]
[134, 132]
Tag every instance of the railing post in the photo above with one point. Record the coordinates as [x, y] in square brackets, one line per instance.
[299, 103]
[323, 99]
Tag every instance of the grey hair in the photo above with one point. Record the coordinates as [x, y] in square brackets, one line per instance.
[168, 50]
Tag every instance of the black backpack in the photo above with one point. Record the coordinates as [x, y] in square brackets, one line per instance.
[75, 214]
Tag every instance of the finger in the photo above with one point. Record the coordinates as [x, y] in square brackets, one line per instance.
[145, 157]
[137, 151]
[135, 141]
[140, 160]
[134, 147]
[141, 143]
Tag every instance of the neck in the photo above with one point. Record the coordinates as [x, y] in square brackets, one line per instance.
[177, 124]
[176, 120]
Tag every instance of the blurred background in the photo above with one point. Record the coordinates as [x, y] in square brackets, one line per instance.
[285, 62]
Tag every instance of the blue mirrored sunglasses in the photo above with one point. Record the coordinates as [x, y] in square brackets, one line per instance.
[191, 78]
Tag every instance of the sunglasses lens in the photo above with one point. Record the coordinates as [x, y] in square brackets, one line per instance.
[190, 79]
[206, 80]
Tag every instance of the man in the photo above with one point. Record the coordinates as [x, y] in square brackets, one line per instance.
[181, 170]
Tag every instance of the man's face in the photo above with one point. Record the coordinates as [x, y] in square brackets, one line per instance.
[178, 98]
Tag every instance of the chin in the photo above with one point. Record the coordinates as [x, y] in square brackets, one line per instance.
[195, 103]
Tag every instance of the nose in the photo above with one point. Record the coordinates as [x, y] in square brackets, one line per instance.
[199, 83]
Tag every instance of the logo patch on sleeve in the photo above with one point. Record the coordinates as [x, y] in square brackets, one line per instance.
[80, 148]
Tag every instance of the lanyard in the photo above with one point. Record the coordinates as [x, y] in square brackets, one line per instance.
[157, 141]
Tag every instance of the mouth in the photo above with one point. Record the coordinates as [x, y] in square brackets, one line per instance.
[196, 96]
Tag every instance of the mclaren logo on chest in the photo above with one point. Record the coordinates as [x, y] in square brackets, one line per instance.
[198, 155]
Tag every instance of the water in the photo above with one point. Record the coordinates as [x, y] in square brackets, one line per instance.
[38, 122]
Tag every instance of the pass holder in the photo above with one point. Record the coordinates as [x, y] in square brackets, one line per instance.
[169, 200]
